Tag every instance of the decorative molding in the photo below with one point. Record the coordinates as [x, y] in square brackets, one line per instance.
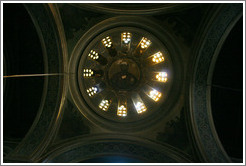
[136, 9]
[200, 111]
[175, 134]
[47, 120]
[92, 146]
[72, 124]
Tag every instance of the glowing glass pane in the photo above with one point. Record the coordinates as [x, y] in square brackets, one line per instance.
[104, 105]
[161, 76]
[155, 95]
[126, 37]
[88, 73]
[122, 111]
[92, 91]
[145, 43]
[107, 42]
[93, 55]
[158, 57]
[140, 107]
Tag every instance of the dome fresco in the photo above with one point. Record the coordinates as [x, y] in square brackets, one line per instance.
[122, 83]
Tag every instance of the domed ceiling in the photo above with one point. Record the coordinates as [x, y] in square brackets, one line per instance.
[140, 83]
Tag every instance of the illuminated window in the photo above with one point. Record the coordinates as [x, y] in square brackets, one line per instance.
[104, 105]
[93, 55]
[92, 91]
[158, 57]
[145, 43]
[155, 95]
[126, 37]
[122, 111]
[161, 76]
[138, 103]
[107, 42]
[140, 107]
[88, 73]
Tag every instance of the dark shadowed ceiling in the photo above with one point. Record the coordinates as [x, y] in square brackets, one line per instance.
[49, 117]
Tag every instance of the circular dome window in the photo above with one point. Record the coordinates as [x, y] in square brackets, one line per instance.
[124, 74]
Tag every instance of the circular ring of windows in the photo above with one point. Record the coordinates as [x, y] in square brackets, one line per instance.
[124, 77]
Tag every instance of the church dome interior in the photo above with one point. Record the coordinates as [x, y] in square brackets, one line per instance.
[122, 83]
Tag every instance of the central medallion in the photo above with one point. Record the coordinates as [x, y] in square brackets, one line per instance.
[124, 74]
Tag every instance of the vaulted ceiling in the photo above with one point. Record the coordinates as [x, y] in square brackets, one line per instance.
[48, 116]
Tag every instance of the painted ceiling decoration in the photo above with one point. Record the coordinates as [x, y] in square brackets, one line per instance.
[122, 83]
